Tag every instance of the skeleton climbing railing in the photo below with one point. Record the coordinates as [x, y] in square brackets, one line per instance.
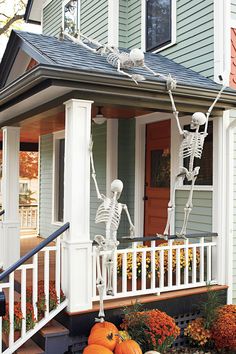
[109, 213]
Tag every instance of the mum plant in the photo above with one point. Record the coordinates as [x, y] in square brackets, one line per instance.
[153, 330]
[17, 318]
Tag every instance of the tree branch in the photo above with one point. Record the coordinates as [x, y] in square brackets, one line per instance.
[9, 23]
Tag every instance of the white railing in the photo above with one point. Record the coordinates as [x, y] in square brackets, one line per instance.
[28, 216]
[28, 275]
[171, 266]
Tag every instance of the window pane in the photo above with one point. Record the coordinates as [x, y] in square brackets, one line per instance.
[71, 17]
[158, 32]
[61, 180]
[160, 168]
[206, 162]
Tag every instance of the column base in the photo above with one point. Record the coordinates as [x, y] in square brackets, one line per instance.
[77, 275]
[9, 243]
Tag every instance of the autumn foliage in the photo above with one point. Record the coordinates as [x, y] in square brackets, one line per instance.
[28, 164]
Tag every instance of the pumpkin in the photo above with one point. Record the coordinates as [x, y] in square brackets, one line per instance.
[96, 349]
[128, 346]
[152, 352]
[107, 325]
[104, 337]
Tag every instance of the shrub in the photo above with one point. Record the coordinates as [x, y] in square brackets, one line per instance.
[197, 332]
[224, 328]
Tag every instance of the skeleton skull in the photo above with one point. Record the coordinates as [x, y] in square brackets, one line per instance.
[198, 118]
[117, 187]
[137, 56]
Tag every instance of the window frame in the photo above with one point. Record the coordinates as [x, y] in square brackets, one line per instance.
[64, 3]
[173, 29]
[57, 136]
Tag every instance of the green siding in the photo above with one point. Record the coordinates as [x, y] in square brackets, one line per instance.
[52, 18]
[126, 165]
[99, 152]
[94, 19]
[130, 23]
[195, 36]
[233, 9]
[200, 219]
[45, 188]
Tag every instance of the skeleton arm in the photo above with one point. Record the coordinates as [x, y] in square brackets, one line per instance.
[99, 195]
[212, 106]
[131, 228]
[175, 112]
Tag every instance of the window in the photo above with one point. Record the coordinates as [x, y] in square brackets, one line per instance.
[71, 16]
[160, 24]
[58, 188]
[206, 162]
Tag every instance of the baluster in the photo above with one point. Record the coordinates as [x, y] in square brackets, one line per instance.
[144, 269]
[23, 300]
[209, 263]
[35, 285]
[170, 266]
[58, 268]
[186, 248]
[11, 308]
[161, 253]
[134, 266]
[46, 281]
[202, 259]
[194, 265]
[94, 275]
[153, 265]
[124, 272]
[178, 266]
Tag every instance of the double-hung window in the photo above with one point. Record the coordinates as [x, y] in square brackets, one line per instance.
[160, 24]
[71, 16]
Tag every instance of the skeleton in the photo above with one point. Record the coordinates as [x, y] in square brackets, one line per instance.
[109, 212]
[119, 60]
[191, 147]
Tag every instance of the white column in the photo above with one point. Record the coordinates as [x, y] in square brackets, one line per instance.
[77, 247]
[10, 233]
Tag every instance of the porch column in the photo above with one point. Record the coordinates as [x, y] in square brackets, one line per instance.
[77, 247]
[10, 242]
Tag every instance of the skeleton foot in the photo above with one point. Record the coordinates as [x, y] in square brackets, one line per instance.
[181, 235]
[164, 237]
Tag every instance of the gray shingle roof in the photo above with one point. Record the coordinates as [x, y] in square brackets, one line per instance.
[64, 53]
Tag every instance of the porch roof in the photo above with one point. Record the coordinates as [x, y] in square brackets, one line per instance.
[67, 70]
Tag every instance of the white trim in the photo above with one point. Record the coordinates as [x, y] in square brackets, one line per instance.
[39, 180]
[196, 188]
[173, 27]
[140, 139]
[46, 3]
[222, 40]
[56, 136]
[64, 2]
[112, 153]
[113, 23]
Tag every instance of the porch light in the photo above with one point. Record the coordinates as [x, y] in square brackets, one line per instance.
[99, 118]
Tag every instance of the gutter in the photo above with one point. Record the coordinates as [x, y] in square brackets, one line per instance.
[44, 72]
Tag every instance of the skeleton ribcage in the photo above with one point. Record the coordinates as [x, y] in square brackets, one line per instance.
[192, 145]
[109, 211]
[125, 61]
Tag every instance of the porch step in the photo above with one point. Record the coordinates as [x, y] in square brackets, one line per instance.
[30, 347]
[53, 338]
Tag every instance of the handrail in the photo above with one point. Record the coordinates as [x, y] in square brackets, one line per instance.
[2, 212]
[129, 239]
[35, 250]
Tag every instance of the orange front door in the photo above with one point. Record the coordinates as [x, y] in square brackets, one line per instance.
[157, 180]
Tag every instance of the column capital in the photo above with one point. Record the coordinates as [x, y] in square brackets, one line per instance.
[82, 103]
[12, 128]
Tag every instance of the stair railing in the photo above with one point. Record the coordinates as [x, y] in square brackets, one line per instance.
[9, 283]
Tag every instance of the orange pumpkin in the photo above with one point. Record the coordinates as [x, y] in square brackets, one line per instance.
[96, 349]
[104, 337]
[128, 346]
[107, 325]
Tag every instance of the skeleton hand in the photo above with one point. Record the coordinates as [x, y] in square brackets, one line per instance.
[171, 83]
[100, 240]
[132, 231]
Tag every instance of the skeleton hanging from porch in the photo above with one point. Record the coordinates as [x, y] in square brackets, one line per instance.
[109, 213]
[190, 148]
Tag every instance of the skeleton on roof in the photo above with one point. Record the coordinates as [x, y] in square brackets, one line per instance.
[191, 148]
[109, 213]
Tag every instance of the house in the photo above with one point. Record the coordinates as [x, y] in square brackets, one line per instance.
[51, 88]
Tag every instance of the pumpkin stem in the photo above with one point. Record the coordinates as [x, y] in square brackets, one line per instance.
[120, 336]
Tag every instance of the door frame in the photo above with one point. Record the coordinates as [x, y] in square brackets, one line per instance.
[140, 162]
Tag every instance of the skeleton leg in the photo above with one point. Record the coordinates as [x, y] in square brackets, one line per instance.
[134, 77]
[100, 281]
[110, 270]
[188, 207]
[171, 205]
